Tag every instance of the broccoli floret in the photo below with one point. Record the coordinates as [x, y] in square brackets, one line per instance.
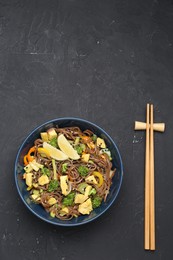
[68, 200]
[53, 185]
[53, 142]
[83, 170]
[45, 171]
[96, 202]
[80, 148]
[64, 167]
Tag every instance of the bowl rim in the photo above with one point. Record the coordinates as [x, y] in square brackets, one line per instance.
[65, 224]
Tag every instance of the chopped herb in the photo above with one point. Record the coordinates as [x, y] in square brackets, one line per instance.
[53, 185]
[64, 167]
[45, 171]
[69, 199]
[83, 170]
[53, 142]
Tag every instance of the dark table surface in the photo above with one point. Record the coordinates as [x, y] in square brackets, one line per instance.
[102, 61]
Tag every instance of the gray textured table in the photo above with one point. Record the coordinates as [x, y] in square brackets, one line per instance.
[101, 61]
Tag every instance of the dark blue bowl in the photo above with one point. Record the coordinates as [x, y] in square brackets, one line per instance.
[38, 210]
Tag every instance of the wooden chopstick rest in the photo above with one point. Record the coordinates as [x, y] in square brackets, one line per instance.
[159, 127]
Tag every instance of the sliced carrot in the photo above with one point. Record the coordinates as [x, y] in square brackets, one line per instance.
[86, 138]
[91, 145]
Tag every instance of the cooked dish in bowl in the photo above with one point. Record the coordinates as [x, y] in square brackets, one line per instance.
[68, 171]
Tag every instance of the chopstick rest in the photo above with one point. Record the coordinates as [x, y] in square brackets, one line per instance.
[149, 208]
[159, 127]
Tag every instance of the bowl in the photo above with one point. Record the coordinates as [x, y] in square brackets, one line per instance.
[37, 209]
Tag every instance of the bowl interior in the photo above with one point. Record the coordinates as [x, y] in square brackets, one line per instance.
[38, 210]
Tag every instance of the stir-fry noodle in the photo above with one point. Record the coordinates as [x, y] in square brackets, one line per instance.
[68, 171]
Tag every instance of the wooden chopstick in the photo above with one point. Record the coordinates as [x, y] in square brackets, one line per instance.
[147, 189]
[151, 184]
[149, 208]
[149, 239]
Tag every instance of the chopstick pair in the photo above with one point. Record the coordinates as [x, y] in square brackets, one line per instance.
[149, 215]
